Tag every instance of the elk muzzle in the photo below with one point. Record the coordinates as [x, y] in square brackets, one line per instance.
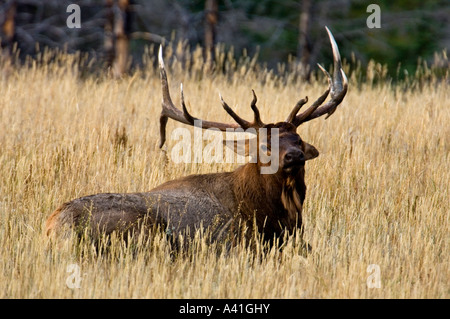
[293, 159]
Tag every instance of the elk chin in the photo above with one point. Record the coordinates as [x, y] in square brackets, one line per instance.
[293, 168]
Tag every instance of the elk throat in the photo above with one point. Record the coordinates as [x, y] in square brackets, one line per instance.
[292, 197]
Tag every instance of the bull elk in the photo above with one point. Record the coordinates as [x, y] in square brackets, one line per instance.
[224, 203]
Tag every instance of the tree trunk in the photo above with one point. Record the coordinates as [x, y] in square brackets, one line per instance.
[7, 36]
[121, 35]
[304, 41]
[108, 39]
[211, 18]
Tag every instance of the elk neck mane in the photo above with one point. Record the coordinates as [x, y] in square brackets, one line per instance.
[265, 192]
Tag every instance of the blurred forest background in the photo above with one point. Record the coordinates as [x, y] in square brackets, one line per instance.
[116, 33]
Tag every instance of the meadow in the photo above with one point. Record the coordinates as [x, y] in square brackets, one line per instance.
[378, 194]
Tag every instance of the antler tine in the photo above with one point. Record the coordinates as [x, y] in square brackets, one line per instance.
[295, 110]
[169, 110]
[187, 116]
[257, 120]
[257, 123]
[338, 96]
[338, 85]
[301, 118]
[243, 123]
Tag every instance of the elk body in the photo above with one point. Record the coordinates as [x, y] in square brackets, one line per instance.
[223, 203]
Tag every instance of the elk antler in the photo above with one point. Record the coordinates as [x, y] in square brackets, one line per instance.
[169, 110]
[257, 123]
[337, 88]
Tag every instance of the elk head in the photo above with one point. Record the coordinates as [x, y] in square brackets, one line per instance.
[292, 151]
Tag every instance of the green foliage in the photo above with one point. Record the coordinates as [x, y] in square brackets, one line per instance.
[409, 30]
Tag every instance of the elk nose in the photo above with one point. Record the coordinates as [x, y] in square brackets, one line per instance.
[293, 157]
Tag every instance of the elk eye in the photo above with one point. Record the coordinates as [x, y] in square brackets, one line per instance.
[264, 148]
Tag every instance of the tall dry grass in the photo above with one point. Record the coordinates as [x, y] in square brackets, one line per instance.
[377, 194]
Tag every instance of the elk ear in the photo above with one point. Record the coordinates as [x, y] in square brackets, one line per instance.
[310, 151]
